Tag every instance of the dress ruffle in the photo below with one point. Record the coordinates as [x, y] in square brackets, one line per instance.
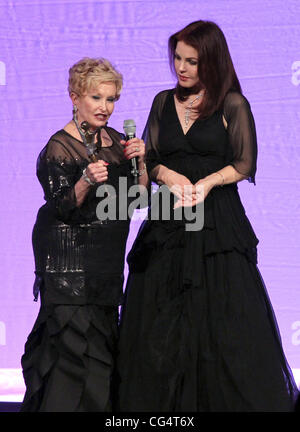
[226, 228]
[87, 333]
[199, 347]
[198, 332]
[195, 294]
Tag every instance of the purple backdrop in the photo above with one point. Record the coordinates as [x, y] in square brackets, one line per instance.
[41, 39]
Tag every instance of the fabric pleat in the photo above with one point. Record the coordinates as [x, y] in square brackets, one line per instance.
[69, 359]
[198, 332]
[212, 346]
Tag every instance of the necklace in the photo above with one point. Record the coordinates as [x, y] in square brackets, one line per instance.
[189, 109]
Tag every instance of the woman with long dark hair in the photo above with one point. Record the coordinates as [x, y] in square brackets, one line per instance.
[198, 332]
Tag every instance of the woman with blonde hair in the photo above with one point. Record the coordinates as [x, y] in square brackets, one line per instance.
[68, 364]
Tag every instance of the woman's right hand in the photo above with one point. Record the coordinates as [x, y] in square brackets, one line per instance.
[97, 171]
[178, 184]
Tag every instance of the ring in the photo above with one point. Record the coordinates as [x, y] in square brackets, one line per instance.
[137, 149]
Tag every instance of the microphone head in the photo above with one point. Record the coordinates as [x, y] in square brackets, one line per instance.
[129, 128]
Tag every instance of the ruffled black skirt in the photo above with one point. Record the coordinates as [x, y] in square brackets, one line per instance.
[198, 332]
[69, 356]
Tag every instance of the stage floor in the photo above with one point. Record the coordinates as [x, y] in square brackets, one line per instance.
[12, 387]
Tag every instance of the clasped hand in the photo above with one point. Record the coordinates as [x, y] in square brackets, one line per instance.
[188, 194]
[97, 171]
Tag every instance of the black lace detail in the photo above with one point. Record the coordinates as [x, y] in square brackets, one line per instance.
[78, 254]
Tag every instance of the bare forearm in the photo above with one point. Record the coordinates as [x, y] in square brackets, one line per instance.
[143, 177]
[226, 175]
[159, 174]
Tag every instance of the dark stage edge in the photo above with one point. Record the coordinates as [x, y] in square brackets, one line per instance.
[10, 406]
[15, 406]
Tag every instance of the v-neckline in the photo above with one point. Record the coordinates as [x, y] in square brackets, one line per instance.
[178, 119]
[81, 142]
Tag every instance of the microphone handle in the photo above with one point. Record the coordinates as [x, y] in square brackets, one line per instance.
[134, 162]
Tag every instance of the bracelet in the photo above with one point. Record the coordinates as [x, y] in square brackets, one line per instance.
[222, 178]
[141, 172]
[86, 178]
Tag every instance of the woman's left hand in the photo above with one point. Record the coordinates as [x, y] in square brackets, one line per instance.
[197, 193]
[135, 147]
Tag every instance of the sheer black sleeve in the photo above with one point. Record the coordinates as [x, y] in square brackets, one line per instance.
[151, 134]
[57, 173]
[242, 134]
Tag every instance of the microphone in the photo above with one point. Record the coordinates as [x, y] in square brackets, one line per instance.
[129, 129]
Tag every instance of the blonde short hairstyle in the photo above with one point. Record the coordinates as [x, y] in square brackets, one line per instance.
[88, 72]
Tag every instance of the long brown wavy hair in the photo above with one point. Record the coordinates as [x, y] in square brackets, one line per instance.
[215, 67]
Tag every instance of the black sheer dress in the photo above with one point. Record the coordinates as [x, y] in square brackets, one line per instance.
[69, 356]
[198, 332]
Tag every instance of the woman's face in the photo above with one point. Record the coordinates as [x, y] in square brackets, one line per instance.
[186, 64]
[97, 105]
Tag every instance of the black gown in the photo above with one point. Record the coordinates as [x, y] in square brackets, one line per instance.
[198, 332]
[68, 363]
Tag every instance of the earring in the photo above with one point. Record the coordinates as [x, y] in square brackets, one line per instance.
[74, 112]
